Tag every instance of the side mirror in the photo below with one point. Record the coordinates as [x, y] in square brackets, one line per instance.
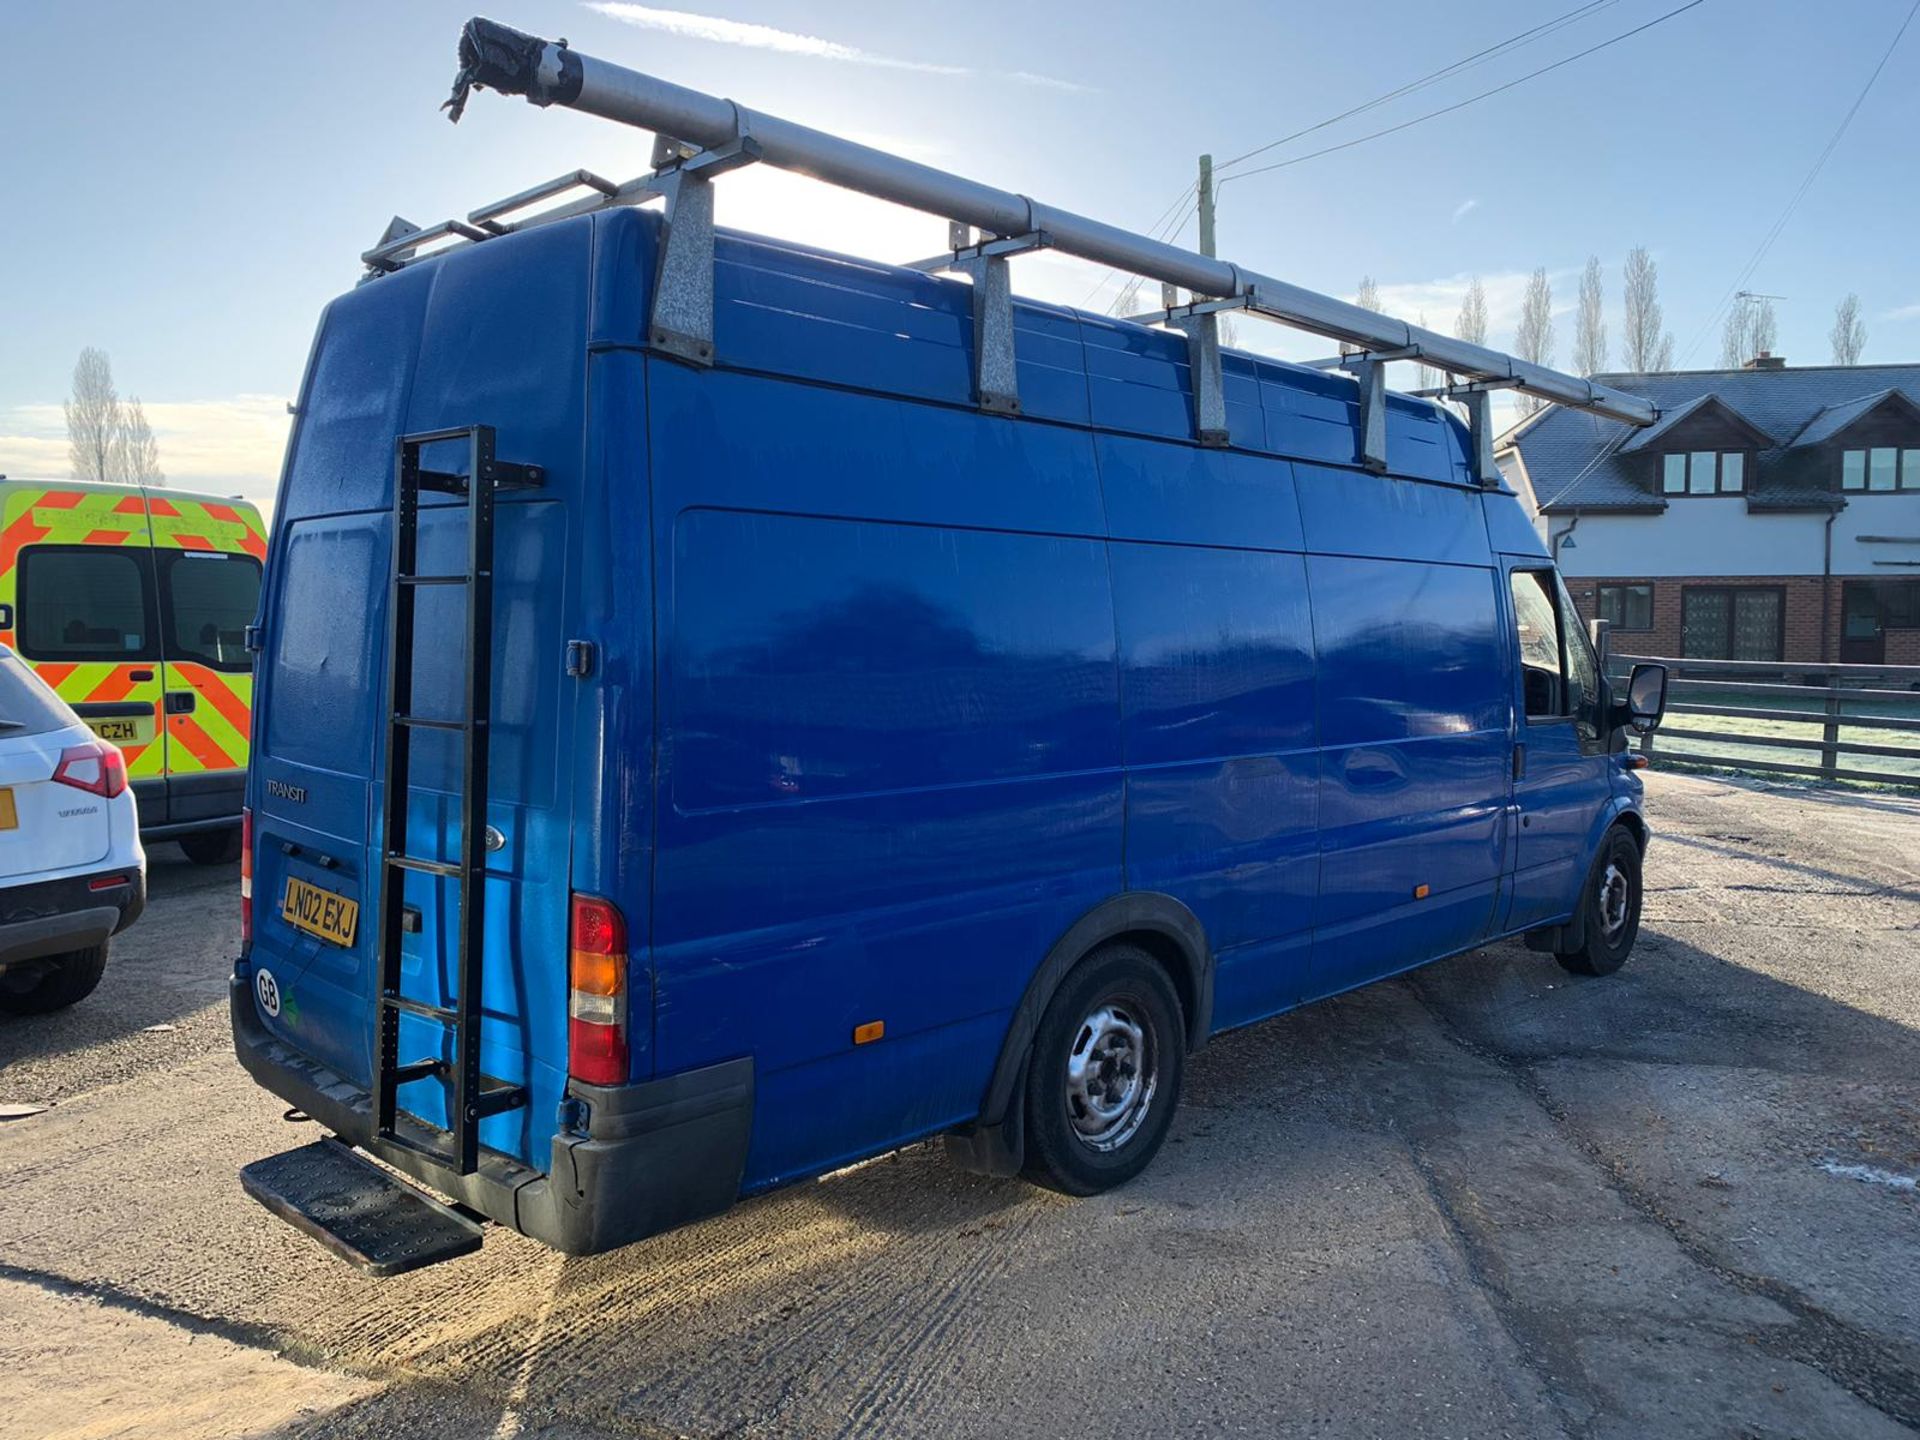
[1646, 697]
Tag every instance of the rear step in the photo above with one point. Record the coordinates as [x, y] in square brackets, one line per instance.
[367, 1216]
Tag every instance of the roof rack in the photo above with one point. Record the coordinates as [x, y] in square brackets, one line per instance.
[700, 136]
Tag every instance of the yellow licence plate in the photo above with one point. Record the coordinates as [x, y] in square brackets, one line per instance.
[120, 732]
[9, 817]
[320, 912]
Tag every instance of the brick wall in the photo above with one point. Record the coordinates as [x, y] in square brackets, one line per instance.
[1803, 597]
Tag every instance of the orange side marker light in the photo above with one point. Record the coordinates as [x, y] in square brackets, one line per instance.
[866, 1034]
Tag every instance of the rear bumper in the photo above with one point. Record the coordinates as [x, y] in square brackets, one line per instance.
[647, 1157]
[173, 805]
[55, 916]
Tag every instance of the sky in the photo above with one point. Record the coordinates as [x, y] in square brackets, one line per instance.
[187, 185]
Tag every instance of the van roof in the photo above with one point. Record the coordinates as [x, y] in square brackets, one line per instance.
[108, 487]
[787, 309]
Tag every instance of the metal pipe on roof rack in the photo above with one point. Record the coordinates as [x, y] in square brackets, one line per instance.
[494, 56]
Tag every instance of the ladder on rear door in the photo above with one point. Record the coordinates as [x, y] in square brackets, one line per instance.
[473, 1096]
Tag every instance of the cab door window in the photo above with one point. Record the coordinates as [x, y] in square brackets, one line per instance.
[1537, 621]
[1560, 678]
[85, 602]
[208, 598]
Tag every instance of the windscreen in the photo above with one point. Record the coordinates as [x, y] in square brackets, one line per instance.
[27, 706]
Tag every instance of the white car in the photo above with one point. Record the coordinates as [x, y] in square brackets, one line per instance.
[72, 872]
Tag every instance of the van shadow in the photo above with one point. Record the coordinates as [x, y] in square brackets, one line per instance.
[168, 966]
[782, 1283]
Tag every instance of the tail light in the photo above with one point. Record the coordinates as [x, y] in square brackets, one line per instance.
[98, 768]
[597, 997]
[246, 877]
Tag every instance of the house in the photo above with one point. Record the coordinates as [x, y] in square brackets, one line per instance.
[1771, 513]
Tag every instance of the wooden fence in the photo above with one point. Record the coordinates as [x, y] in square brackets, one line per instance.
[1860, 710]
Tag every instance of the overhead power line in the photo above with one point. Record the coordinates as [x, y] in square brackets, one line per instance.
[1793, 203]
[1166, 224]
[1470, 100]
[1479, 57]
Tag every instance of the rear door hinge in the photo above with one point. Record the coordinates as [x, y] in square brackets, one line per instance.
[255, 642]
[580, 658]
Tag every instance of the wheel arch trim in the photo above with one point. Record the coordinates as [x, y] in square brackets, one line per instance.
[994, 1144]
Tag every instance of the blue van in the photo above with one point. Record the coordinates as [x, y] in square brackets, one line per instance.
[676, 780]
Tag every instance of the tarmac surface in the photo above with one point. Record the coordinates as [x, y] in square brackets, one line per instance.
[1490, 1199]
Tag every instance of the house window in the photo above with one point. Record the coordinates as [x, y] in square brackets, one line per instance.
[1704, 472]
[1899, 603]
[1625, 607]
[1724, 622]
[1881, 468]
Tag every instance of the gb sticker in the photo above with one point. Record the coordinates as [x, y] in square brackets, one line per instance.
[268, 990]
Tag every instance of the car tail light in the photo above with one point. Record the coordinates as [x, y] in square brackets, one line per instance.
[246, 877]
[98, 768]
[597, 997]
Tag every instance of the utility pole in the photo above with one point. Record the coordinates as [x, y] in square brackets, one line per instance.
[1206, 205]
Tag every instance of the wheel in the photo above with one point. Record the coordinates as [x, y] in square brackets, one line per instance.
[213, 847]
[55, 983]
[1105, 1073]
[1612, 909]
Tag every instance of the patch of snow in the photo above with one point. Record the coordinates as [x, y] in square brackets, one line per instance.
[1871, 1175]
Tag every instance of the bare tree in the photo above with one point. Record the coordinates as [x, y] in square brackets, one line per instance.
[93, 418]
[1429, 377]
[1648, 345]
[1752, 330]
[1590, 325]
[1733, 337]
[1471, 325]
[1766, 329]
[1367, 297]
[107, 440]
[139, 451]
[1849, 333]
[1533, 339]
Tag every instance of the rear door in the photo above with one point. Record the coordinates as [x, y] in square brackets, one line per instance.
[1560, 777]
[206, 560]
[76, 569]
[319, 800]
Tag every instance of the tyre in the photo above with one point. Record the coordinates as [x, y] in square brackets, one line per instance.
[1105, 1073]
[213, 847]
[58, 983]
[1611, 908]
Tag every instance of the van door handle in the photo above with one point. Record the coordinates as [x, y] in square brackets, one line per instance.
[1519, 762]
[180, 702]
[139, 676]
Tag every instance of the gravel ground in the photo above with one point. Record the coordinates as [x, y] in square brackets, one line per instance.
[1490, 1199]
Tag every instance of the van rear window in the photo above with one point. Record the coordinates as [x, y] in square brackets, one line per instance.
[321, 647]
[209, 599]
[85, 602]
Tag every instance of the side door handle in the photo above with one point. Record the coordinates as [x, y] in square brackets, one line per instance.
[180, 702]
[1519, 762]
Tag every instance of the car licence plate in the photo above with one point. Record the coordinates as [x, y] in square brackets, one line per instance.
[120, 732]
[9, 817]
[319, 912]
